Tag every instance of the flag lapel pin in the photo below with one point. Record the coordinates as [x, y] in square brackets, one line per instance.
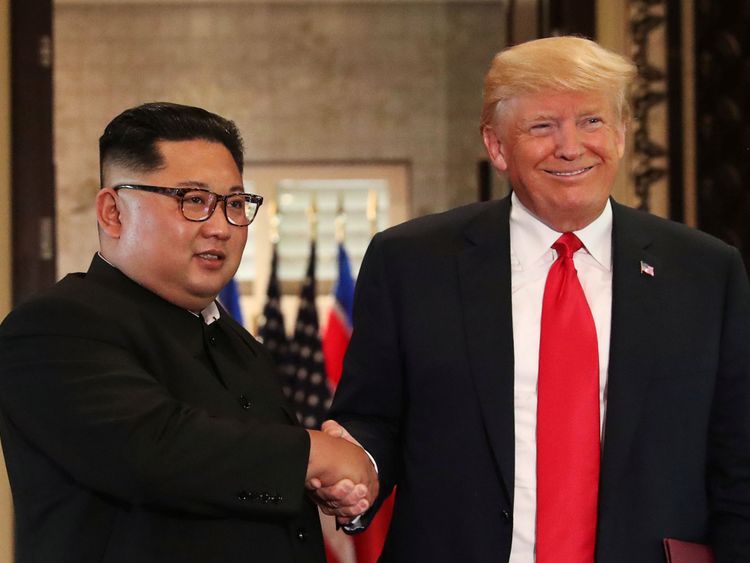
[647, 269]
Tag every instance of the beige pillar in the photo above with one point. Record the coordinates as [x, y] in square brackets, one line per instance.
[612, 32]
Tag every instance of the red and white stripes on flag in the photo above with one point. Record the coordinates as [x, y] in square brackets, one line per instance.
[369, 543]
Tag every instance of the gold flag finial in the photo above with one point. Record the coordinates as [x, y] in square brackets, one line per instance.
[340, 221]
[275, 221]
[312, 217]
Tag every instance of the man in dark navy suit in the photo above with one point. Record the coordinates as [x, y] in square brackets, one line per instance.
[444, 377]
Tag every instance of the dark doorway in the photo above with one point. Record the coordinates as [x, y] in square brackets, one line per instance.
[568, 17]
[33, 176]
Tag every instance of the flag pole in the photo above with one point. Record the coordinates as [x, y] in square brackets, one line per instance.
[372, 211]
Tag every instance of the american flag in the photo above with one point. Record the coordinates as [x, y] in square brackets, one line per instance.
[309, 390]
[271, 331]
[369, 544]
[647, 269]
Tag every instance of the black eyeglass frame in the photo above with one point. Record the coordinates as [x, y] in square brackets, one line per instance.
[213, 197]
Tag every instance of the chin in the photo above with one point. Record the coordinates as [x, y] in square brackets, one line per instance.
[212, 292]
[207, 291]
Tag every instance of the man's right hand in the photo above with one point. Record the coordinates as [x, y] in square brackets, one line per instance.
[340, 476]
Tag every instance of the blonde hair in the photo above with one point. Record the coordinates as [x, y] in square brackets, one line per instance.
[565, 63]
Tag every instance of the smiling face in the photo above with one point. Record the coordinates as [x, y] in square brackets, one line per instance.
[561, 151]
[146, 236]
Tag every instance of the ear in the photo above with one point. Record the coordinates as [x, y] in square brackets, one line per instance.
[494, 149]
[108, 212]
[620, 139]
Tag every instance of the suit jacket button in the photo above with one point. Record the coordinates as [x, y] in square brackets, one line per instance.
[212, 340]
[506, 515]
[301, 535]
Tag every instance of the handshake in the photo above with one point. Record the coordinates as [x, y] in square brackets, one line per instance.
[340, 477]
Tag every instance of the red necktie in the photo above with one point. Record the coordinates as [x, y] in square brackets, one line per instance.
[568, 448]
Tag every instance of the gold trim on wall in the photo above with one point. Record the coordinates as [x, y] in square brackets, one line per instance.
[6, 504]
[5, 215]
[688, 115]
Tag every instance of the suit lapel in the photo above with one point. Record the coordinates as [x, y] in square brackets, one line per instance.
[485, 288]
[634, 341]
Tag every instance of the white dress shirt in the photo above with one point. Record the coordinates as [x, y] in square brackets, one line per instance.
[531, 256]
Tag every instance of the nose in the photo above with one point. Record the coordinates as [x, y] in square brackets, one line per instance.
[217, 224]
[568, 143]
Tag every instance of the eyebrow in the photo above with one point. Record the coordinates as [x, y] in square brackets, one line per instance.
[548, 117]
[192, 184]
[541, 117]
[202, 185]
[592, 111]
[552, 116]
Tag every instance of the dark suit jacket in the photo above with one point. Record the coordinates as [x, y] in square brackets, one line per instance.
[134, 433]
[428, 388]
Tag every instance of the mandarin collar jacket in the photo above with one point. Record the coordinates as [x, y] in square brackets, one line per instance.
[133, 432]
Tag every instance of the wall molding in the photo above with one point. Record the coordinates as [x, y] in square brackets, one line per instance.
[227, 2]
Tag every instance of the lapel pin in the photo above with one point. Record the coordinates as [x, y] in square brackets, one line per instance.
[647, 269]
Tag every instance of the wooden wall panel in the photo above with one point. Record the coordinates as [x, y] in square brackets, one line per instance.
[722, 57]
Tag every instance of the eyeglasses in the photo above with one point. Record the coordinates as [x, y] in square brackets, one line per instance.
[198, 204]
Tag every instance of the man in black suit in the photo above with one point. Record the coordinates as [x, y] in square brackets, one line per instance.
[140, 423]
[441, 376]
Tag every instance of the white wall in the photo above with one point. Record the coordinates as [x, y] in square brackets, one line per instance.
[305, 81]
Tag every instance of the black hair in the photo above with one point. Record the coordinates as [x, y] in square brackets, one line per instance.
[130, 138]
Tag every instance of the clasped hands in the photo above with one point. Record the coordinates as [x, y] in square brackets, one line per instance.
[340, 477]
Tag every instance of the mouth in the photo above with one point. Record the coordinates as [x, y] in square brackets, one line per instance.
[569, 173]
[211, 255]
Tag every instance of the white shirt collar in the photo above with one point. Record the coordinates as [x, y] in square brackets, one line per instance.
[211, 313]
[531, 239]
